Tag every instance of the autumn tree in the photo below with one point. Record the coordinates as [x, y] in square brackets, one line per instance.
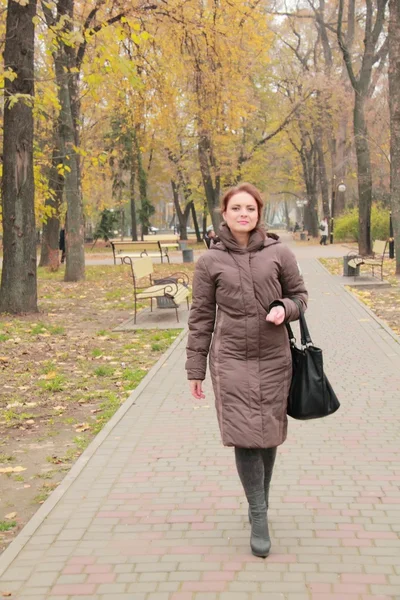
[360, 67]
[222, 46]
[18, 292]
[394, 103]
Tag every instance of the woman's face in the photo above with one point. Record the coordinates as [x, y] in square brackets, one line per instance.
[241, 214]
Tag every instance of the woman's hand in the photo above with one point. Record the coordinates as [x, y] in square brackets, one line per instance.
[196, 389]
[276, 315]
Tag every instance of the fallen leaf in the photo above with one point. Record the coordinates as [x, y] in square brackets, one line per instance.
[59, 407]
[12, 470]
[11, 516]
[82, 427]
[6, 594]
[50, 375]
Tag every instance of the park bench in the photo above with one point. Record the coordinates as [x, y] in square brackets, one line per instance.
[170, 291]
[153, 248]
[375, 262]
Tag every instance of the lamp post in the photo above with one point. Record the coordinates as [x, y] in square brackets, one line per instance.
[340, 188]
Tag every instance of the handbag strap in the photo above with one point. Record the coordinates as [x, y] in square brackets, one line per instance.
[304, 332]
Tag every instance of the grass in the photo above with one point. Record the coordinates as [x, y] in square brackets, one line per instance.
[41, 329]
[132, 377]
[55, 384]
[104, 371]
[6, 458]
[44, 492]
[46, 474]
[7, 525]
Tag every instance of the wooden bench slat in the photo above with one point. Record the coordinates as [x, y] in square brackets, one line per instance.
[181, 295]
[143, 248]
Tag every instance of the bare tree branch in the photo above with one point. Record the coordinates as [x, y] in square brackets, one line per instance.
[344, 48]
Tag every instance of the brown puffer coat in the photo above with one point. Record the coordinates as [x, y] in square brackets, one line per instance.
[250, 360]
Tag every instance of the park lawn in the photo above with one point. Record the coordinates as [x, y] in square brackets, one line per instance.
[63, 374]
[385, 302]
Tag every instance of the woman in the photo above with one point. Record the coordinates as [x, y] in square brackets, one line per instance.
[251, 277]
[324, 227]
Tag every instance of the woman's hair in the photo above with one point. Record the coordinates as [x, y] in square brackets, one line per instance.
[243, 187]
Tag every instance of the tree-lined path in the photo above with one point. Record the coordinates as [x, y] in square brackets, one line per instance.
[153, 510]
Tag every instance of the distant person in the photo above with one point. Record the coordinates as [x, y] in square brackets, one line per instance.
[296, 227]
[210, 235]
[61, 244]
[324, 231]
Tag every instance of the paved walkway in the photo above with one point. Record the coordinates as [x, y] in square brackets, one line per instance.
[153, 509]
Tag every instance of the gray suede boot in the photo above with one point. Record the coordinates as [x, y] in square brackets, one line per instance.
[268, 456]
[260, 541]
[250, 466]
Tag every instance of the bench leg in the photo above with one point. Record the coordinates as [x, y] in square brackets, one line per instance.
[177, 316]
[151, 304]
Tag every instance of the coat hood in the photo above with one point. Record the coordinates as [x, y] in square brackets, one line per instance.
[226, 241]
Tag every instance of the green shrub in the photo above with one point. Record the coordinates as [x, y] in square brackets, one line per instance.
[346, 226]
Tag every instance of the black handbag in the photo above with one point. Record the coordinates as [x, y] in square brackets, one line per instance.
[311, 395]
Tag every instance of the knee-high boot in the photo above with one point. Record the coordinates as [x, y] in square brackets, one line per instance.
[268, 456]
[250, 466]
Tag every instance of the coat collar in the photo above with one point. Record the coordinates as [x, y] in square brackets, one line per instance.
[226, 241]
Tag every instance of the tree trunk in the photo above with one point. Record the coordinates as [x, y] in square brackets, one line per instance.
[204, 219]
[287, 219]
[211, 190]
[18, 292]
[74, 234]
[182, 215]
[361, 85]
[364, 176]
[51, 227]
[147, 209]
[195, 222]
[323, 179]
[74, 228]
[49, 252]
[308, 159]
[394, 104]
[132, 196]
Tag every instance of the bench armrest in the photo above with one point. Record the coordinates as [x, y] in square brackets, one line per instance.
[179, 278]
